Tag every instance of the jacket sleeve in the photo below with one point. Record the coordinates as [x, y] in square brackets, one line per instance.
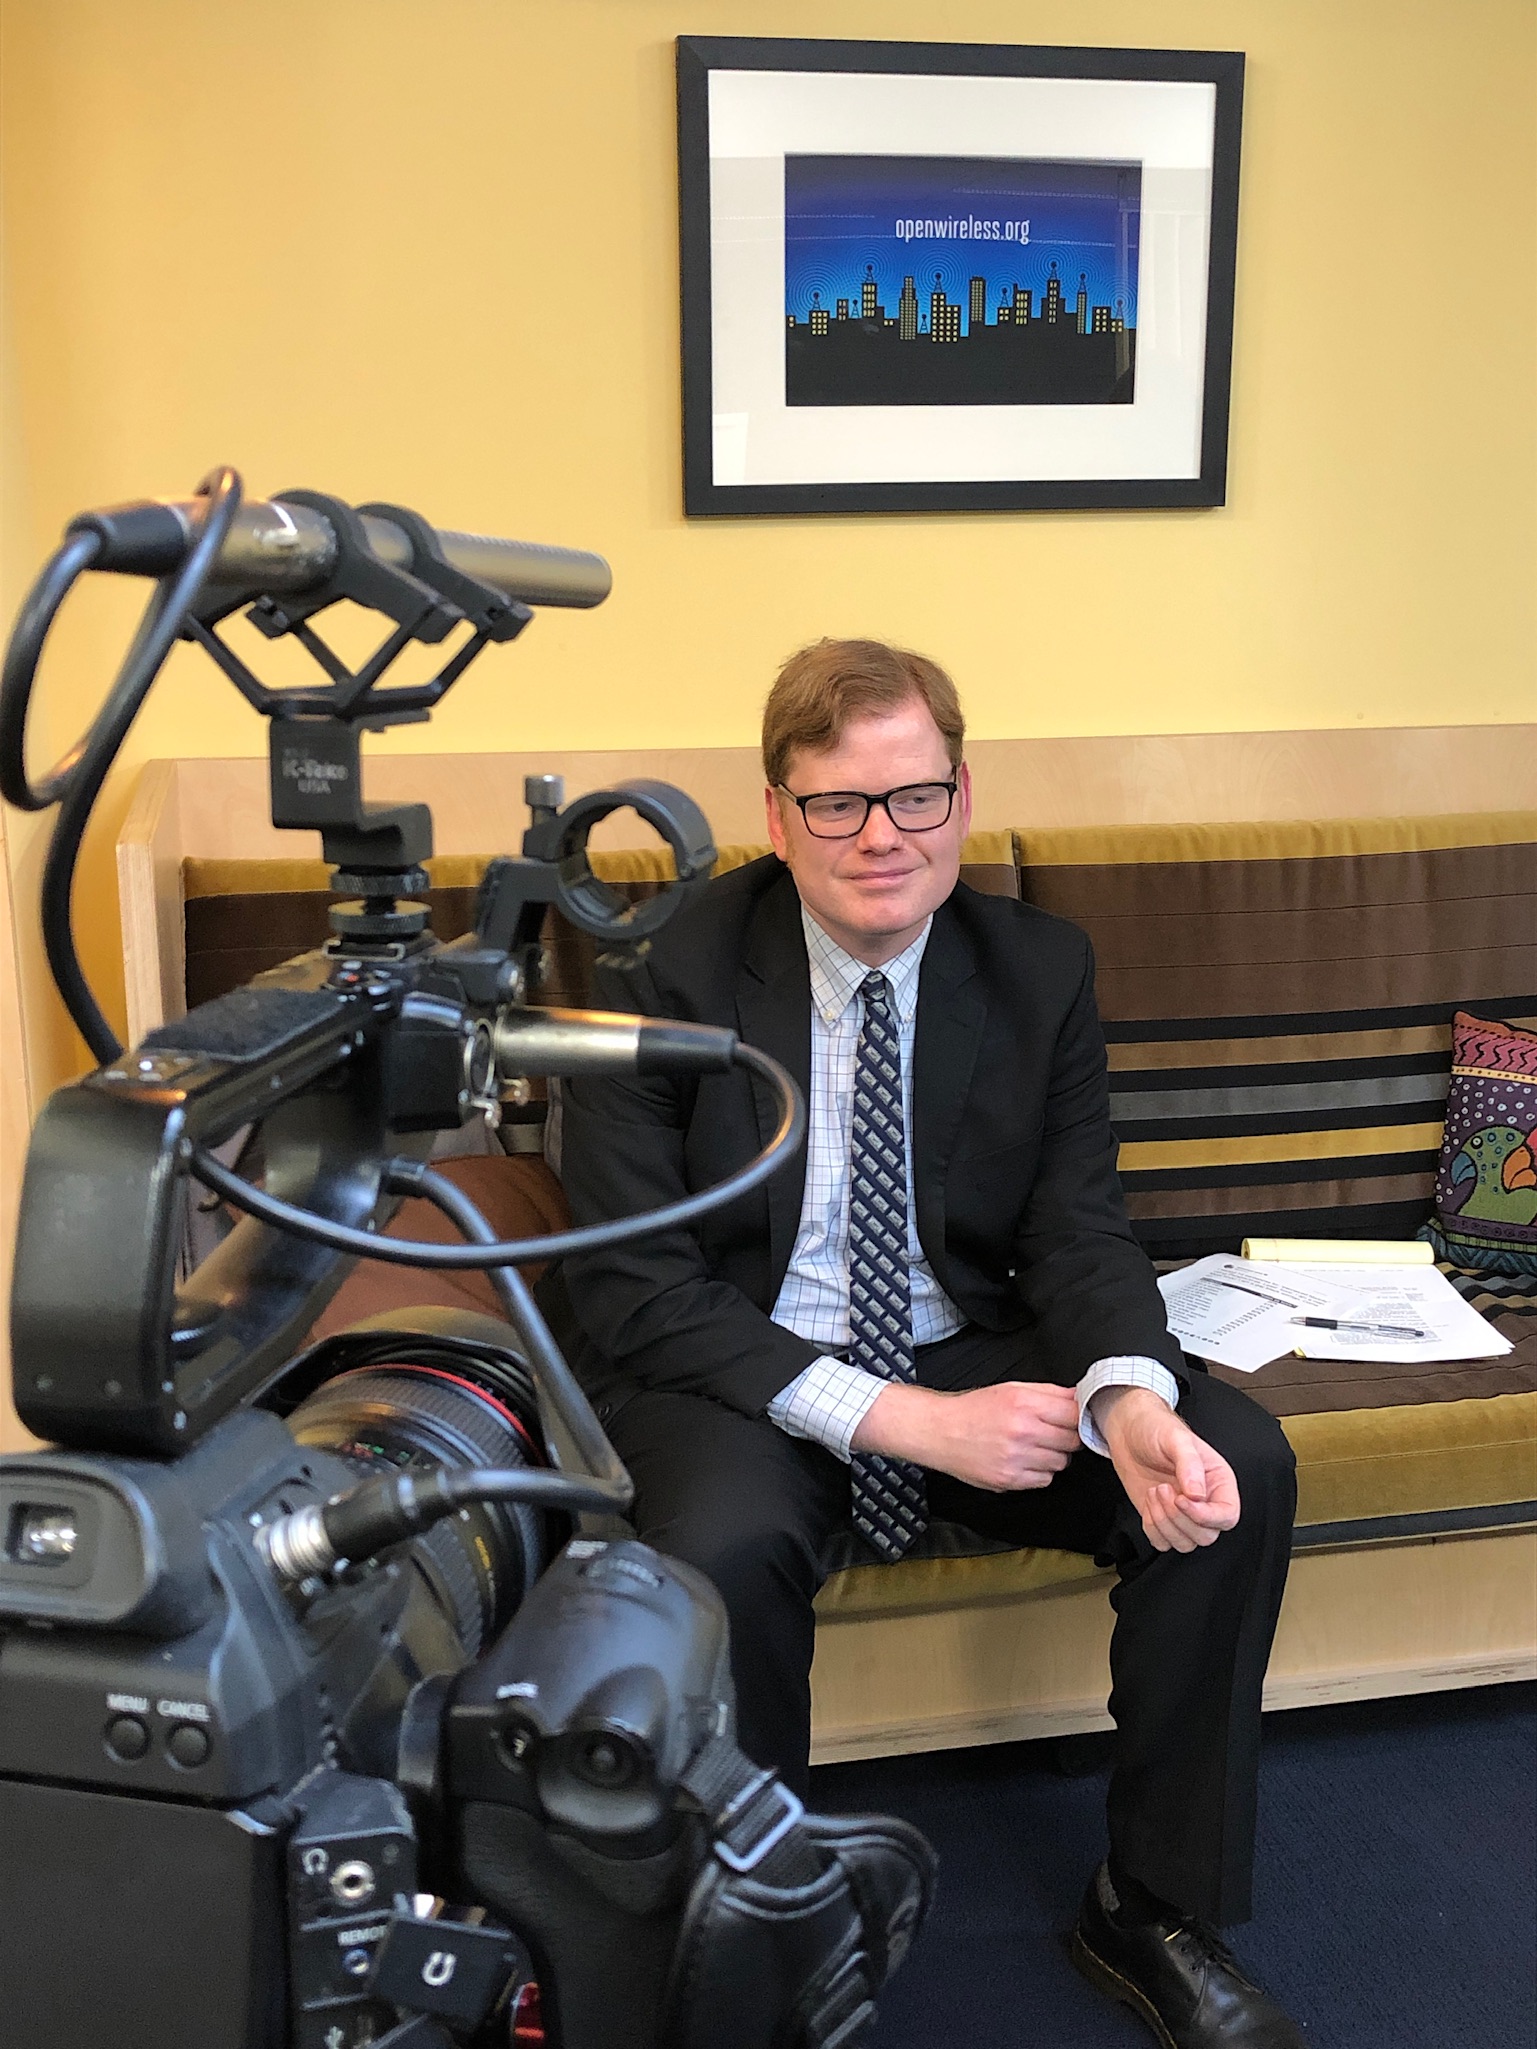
[1088, 1284]
[652, 1306]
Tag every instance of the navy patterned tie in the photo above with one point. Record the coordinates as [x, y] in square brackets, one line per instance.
[886, 1495]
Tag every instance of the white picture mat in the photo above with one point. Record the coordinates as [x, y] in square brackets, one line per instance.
[757, 118]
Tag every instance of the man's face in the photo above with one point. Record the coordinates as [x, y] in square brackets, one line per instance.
[872, 893]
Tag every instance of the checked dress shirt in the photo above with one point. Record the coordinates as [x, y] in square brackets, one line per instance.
[828, 1400]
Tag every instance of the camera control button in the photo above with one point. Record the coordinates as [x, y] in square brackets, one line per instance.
[127, 1738]
[187, 1745]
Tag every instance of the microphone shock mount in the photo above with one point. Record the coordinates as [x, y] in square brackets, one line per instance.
[377, 851]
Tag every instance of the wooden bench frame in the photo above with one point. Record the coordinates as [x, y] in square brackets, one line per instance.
[1358, 1623]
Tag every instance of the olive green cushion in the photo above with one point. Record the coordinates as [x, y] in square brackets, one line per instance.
[1355, 1465]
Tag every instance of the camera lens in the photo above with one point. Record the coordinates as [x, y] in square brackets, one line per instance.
[422, 1405]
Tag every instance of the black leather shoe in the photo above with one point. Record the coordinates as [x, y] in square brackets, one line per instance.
[1178, 1977]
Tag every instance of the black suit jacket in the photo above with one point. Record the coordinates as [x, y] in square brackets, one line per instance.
[1019, 1211]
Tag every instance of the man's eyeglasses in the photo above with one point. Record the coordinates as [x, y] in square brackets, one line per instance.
[841, 814]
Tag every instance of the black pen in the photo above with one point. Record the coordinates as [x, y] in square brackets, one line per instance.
[1376, 1330]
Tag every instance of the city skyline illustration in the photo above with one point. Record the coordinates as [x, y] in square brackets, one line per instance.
[1058, 350]
[851, 222]
[926, 309]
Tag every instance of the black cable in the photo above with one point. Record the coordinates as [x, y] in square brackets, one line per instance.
[22, 655]
[159, 629]
[391, 1508]
[76, 781]
[787, 1137]
[553, 1378]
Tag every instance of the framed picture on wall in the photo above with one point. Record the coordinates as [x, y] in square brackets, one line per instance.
[926, 277]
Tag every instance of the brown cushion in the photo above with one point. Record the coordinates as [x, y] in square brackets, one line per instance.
[240, 917]
[1278, 1001]
[520, 1197]
[1224, 951]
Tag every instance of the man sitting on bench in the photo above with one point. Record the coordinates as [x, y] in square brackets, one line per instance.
[941, 1314]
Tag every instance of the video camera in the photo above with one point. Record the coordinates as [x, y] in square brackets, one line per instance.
[329, 1715]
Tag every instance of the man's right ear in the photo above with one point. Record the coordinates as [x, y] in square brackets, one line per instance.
[776, 824]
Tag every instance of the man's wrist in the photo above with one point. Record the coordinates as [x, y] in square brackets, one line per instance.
[1128, 1369]
[1112, 1408]
[899, 1423]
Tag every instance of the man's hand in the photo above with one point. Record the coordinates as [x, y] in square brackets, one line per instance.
[1019, 1434]
[1184, 1492]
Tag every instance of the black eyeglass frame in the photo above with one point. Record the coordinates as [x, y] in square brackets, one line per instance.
[869, 801]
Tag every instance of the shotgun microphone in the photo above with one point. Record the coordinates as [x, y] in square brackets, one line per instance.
[274, 545]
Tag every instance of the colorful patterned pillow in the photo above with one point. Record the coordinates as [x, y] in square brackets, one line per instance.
[1486, 1186]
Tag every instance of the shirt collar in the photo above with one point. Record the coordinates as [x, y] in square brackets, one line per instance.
[836, 975]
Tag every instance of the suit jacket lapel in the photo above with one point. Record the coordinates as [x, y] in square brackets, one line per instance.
[951, 1015]
[774, 1014]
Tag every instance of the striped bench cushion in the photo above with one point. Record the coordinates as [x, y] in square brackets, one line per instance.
[1277, 1002]
[1277, 998]
[242, 916]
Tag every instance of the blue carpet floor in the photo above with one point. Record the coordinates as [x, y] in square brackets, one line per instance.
[1395, 1894]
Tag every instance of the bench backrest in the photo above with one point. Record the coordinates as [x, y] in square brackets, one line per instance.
[1277, 998]
[1277, 1002]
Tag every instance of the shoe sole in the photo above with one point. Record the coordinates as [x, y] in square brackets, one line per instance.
[1114, 1986]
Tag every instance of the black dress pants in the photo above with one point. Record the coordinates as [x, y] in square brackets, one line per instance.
[753, 1508]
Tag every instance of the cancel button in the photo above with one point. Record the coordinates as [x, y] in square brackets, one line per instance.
[187, 1745]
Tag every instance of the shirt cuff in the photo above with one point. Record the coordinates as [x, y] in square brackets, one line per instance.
[826, 1404]
[1133, 1372]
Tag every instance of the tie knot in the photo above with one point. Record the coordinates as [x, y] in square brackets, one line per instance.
[875, 988]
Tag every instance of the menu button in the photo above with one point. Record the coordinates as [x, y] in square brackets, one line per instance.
[127, 1738]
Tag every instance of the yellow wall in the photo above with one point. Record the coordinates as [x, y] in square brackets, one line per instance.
[354, 243]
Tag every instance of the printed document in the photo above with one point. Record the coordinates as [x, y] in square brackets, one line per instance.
[1420, 1297]
[1238, 1312]
[1243, 1313]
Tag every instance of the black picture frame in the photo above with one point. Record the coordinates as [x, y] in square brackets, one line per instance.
[1203, 481]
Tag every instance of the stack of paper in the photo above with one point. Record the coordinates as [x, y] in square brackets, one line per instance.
[1342, 1251]
[1245, 1312]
